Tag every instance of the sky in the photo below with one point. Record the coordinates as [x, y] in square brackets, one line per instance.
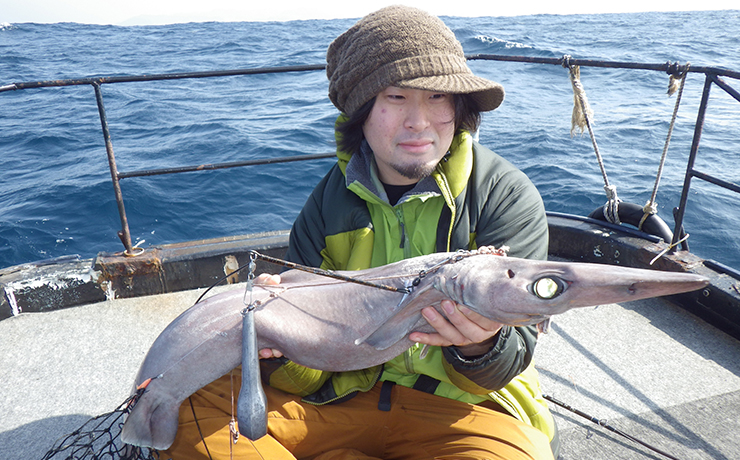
[146, 12]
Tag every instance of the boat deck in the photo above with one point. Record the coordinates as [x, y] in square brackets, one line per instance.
[650, 369]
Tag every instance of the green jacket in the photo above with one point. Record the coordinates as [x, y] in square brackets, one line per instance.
[474, 198]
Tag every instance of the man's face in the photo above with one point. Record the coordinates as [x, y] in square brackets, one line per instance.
[409, 131]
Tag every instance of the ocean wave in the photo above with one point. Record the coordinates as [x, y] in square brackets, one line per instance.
[55, 192]
[497, 43]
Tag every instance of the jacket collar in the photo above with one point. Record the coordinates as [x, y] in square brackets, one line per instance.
[449, 178]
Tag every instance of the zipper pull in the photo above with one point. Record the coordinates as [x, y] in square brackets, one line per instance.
[403, 234]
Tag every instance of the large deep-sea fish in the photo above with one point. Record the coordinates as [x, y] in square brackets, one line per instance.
[336, 325]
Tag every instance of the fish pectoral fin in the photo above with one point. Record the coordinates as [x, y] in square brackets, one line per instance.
[152, 422]
[402, 323]
[391, 331]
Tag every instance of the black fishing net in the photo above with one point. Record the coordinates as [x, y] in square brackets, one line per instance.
[100, 439]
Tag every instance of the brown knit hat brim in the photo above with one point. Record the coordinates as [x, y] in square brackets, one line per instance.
[488, 94]
[404, 47]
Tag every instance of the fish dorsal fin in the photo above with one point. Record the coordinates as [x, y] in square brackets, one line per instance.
[402, 323]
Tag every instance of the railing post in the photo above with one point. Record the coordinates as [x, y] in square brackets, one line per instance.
[681, 210]
[124, 234]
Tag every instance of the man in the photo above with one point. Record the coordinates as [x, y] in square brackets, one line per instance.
[409, 181]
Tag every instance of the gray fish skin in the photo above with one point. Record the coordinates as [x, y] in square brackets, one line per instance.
[333, 325]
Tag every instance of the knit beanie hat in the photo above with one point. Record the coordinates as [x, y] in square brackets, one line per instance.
[404, 47]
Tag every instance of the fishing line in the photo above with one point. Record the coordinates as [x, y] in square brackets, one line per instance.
[233, 433]
[293, 265]
[253, 255]
[605, 424]
[330, 274]
[459, 255]
[197, 425]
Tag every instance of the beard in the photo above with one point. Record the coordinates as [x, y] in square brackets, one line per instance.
[415, 171]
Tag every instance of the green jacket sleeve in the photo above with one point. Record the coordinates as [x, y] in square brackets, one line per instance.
[507, 210]
[307, 234]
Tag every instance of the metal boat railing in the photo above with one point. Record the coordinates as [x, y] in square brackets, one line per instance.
[712, 77]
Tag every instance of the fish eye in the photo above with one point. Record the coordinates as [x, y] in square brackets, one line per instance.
[548, 287]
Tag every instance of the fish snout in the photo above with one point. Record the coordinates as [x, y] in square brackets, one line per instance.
[684, 282]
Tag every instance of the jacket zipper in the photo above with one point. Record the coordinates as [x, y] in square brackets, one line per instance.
[375, 380]
[404, 237]
[399, 218]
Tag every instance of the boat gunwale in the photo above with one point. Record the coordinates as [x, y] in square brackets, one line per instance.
[69, 281]
[199, 264]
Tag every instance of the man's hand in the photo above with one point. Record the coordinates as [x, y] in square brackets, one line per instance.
[472, 333]
[266, 278]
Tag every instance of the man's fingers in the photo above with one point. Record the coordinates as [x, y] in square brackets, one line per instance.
[459, 326]
[447, 333]
[267, 278]
[482, 327]
[267, 353]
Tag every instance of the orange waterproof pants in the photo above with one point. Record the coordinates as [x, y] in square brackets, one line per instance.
[418, 426]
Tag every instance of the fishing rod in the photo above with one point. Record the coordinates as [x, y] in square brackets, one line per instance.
[295, 266]
[332, 274]
[605, 424]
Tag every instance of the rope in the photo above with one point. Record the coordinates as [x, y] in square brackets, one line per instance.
[651, 207]
[670, 247]
[582, 115]
[582, 112]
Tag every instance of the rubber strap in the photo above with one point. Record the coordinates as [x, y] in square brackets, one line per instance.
[426, 384]
[384, 403]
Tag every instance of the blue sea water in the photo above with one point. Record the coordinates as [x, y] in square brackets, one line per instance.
[56, 196]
